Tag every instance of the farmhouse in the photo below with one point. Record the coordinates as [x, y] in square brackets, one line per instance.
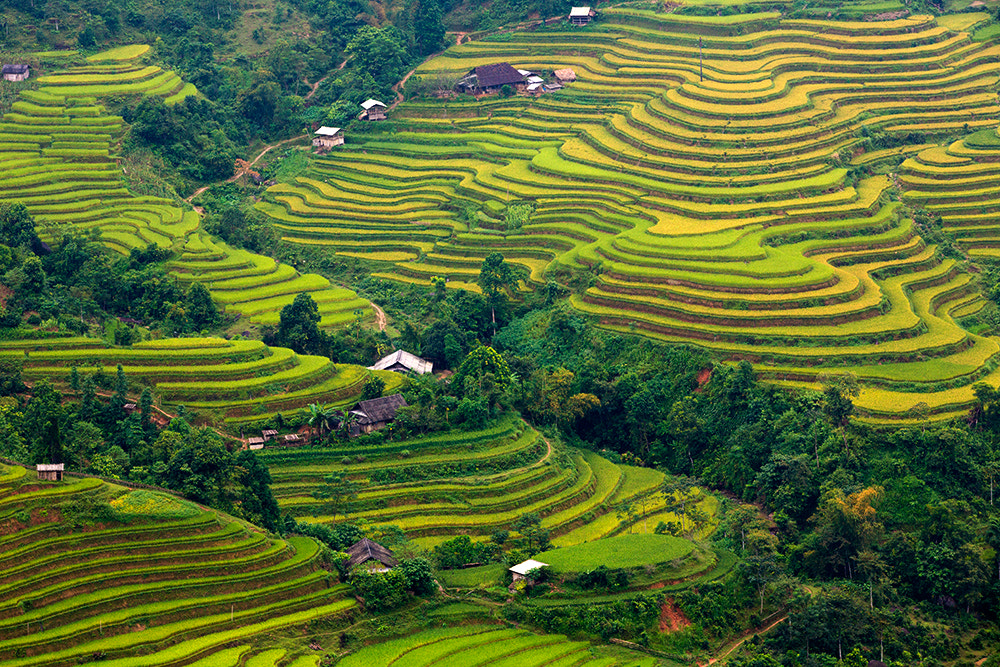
[377, 412]
[581, 15]
[372, 555]
[16, 72]
[522, 570]
[51, 472]
[326, 138]
[487, 79]
[373, 110]
[402, 361]
[269, 434]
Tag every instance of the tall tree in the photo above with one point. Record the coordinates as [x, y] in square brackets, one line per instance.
[495, 278]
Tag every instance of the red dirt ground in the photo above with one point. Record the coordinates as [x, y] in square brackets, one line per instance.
[672, 618]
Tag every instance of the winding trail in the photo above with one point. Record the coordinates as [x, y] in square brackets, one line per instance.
[739, 642]
[245, 169]
[313, 87]
[379, 317]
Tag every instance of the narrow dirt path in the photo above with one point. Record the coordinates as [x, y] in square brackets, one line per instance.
[379, 317]
[313, 87]
[739, 642]
[243, 171]
[459, 37]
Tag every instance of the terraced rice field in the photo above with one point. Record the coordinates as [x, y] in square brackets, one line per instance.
[442, 486]
[166, 583]
[57, 150]
[720, 211]
[486, 645]
[249, 380]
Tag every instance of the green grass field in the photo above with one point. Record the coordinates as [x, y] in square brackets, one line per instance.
[623, 551]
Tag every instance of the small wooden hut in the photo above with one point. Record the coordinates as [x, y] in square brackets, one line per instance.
[17, 72]
[50, 472]
[373, 110]
[326, 138]
[581, 15]
[375, 413]
[523, 570]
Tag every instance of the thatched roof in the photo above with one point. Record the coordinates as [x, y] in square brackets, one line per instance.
[497, 74]
[379, 409]
[565, 74]
[365, 550]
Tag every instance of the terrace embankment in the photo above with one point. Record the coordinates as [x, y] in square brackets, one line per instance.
[704, 170]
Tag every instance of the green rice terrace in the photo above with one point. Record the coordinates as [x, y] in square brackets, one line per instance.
[716, 202]
[488, 645]
[57, 150]
[478, 482]
[249, 380]
[91, 571]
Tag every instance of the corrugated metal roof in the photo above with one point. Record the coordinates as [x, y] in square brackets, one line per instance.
[527, 566]
[368, 104]
[580, 11]
[327, 131]
[411, 361]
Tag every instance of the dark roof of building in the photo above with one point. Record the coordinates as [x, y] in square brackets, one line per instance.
[497, 74]
[364, 550]
[15, 69]
[381, 409]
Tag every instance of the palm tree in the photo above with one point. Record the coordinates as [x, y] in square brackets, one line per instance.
[321, 418]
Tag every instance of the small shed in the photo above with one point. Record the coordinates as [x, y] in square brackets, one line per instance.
[372, 555]
[269, 434]
[326, 138]
[255, 443]
[129, 407]
[402, 361]
[50, 472]
[292, 439]
[581, 15]
[16, 72]
[373, 110]
[375, 413]
[565, 75]
[522, 570]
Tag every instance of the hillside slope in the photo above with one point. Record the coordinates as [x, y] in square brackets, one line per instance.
[700, 169]
[92, 571]
[57, 150]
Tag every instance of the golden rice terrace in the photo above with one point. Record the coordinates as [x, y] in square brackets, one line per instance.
[706, 171]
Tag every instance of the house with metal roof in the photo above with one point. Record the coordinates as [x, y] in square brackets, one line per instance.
[581, 15]
[373, 110]
[402, 361]
[326, 138]
[523, 570]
